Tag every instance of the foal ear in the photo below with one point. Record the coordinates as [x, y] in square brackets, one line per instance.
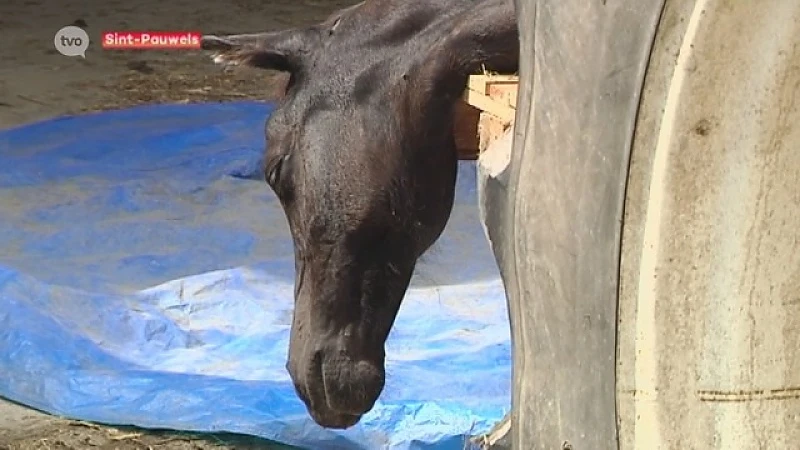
[485, 35]
[278, 50]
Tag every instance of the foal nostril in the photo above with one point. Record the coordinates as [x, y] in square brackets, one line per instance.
[316, 401]
[352, 386]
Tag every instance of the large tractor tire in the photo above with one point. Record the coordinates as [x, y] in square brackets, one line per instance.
[647, 225]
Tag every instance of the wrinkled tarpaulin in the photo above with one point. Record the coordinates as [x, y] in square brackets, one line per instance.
[146, 278]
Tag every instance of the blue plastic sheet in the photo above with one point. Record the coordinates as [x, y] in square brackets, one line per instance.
[146, 279]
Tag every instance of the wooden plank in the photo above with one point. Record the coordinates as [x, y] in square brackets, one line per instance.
[488, 104]
[506, 94]
[480, 83]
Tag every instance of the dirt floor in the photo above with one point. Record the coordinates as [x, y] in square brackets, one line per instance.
[36, 82]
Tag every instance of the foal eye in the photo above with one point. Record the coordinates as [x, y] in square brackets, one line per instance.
[274, 171]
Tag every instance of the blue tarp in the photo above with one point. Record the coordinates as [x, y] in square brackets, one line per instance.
[146, 279]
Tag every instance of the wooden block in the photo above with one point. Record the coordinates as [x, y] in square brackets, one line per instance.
[487, 109]
[490, 128]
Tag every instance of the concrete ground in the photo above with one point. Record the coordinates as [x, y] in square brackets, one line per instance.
[36, 82]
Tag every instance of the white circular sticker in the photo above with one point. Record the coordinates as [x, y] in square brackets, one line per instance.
[72, 41]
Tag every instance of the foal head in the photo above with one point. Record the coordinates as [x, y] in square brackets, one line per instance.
[361, 155]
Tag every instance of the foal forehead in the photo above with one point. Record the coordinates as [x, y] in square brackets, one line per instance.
[341, 195]
[346, 167]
